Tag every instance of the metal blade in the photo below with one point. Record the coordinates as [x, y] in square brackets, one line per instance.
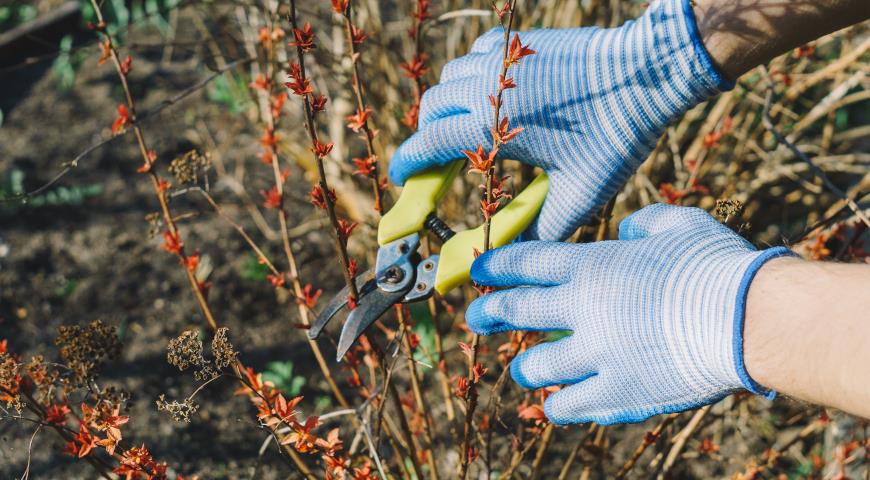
[365, 284]
[367, 311]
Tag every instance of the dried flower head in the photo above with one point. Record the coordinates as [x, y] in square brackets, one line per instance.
[86, 349]
[222, 349]
[186, 351]
[726, 208]
[189, 166]
[9, 382]
[180, 411]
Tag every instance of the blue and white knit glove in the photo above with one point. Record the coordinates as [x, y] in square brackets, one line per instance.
[656, 316]
[592, 102]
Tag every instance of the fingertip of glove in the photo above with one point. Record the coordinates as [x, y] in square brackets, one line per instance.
[479, 269]
[474, 317]
[517, 373]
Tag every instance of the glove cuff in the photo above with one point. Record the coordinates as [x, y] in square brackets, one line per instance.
[671, 41]
[740, 317]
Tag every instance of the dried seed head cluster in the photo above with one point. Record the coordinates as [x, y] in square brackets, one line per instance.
[9, 381]
[180, 411]
[222, 349]
[41, 376]
[116, 396]
[186, 351]
[727, 208]
[188, 167]
[86, 349]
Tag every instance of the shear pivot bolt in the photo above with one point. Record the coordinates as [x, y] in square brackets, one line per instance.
[394, 275]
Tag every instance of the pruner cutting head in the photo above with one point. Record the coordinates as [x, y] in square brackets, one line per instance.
[401, 275]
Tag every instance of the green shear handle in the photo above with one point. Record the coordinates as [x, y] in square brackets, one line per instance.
[420, 197]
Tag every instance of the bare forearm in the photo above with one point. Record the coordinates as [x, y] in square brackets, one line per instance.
[807, 332]
[741, 34]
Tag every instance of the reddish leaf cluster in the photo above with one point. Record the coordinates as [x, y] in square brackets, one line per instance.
[339, 6]
[172, 242]
[345, 229]
[272, 198]
[277, 281]
[365, 166]
[416, 67]
[122, 120]
[317, 199]
[501, 12]
[712, 139]
[268, 36]
[298, 84]
[275, 411]
[321, 149]
[105, 51]
[191, 262]
[673, 196]
[303, 38]
[126, 65]
[358, 120]
[309, 296]
[517, 51]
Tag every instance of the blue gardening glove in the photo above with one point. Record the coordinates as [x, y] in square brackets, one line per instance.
[657, 316]
[592, 102]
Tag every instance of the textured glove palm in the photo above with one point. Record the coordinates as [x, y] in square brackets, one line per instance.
[592, 102]
[657, 316]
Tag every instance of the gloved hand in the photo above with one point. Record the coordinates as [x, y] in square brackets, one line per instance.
[657, 316]
[592, 102]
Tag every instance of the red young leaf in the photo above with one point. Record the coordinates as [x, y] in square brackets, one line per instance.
[317, 199]
[517, 51]
[126, 65]
[365, 166]
[318, 103]
[303, 38]
[416, 67]
[172, 243]
[358, 36]
[321, 149]
[271, 198]
[359, 119]
[260, 83]
[123, 119]
[480, 161]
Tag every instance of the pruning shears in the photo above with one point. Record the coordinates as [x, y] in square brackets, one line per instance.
[401, 273]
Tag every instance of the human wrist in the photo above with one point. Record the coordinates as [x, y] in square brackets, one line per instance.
[750, 277]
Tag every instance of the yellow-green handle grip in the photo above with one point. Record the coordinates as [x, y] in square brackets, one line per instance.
[418, 199]
[457, 254]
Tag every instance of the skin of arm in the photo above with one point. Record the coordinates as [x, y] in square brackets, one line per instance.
[807, 327]
[807, 332]
[741, 34]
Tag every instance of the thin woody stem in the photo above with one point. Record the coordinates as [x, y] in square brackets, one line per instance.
[310, 126]
[471, 398]
[649, 439]
[360, 97]
[296, 283]
[167, 214]
[419, 398]
[155, 180]
[419, 84]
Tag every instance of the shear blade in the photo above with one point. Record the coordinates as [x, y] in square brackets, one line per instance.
[369, 308]
[365, 283]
